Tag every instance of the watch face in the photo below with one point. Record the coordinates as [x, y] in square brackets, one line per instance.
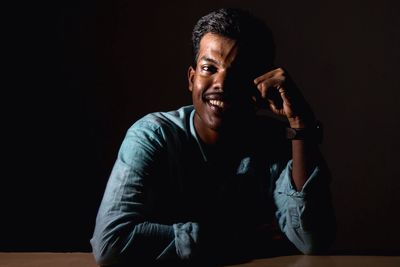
[313, 134]
[290, 133]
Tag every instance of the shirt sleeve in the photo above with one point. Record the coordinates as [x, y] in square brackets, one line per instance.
[306, 217]
[122, 233]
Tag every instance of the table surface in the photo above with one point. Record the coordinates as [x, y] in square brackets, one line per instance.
[43, 259]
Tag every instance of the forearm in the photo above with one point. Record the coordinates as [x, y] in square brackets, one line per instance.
[306, 216]
[117, 240]
[304, 154]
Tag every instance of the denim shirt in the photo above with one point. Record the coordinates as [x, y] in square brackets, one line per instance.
[166, 198]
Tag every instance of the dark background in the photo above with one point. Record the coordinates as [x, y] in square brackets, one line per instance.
[79, 73]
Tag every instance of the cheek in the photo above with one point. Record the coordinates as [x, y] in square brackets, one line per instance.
[196, 92]
[200, 85]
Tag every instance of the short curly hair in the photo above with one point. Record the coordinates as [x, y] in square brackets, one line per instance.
[253, 36]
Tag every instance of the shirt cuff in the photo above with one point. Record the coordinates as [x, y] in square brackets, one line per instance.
[287, 187]
[186, 238]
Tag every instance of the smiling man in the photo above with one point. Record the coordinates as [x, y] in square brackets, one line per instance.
[215, 181]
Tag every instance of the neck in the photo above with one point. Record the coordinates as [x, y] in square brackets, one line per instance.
[224, 135]
[209, 137]
[221, 137]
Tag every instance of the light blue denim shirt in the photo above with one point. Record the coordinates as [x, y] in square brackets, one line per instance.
[164, 193]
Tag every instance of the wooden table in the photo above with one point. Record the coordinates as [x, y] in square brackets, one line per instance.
[87, 260]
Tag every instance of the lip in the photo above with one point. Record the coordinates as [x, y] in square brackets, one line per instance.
[216, 102]
[214, 96]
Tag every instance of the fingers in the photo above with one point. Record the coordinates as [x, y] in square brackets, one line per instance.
[270, 74]
[274, 78]
[273, 88]
[273, 107]
[283, 94]
[266, 85]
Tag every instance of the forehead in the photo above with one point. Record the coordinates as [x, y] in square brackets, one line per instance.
[218, 47]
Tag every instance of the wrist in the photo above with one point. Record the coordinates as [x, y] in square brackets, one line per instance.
[302, 131]
[297, 122]
[305, 121]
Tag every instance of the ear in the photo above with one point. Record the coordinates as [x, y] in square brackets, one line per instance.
[190, 74]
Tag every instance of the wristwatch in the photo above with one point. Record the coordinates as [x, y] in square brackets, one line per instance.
[314, 133]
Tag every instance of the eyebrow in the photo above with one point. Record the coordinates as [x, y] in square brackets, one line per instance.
[205, 58]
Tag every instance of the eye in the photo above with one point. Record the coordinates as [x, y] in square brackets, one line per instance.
[208, 69]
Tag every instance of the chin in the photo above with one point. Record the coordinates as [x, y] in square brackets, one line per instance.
[215, 125]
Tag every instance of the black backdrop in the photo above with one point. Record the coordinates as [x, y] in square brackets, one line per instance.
[79, 73]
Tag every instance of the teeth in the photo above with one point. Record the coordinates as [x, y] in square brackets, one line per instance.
[217, 103]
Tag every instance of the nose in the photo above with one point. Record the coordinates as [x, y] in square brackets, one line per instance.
[219, 81]
[223, 81]
[233, 83]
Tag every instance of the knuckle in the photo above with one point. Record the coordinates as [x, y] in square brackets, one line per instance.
[264, 87]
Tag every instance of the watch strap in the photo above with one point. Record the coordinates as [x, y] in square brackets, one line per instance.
[314, 133]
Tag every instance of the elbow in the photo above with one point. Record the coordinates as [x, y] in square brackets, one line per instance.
[103, 259]
[104, 253]
[315, 246]
[309, 249]
[312, 243]
[314, 249]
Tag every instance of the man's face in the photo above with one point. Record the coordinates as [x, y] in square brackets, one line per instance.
[219, 83]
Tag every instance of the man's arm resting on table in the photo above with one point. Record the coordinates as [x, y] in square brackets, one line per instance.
[306, 216]
[122, 233]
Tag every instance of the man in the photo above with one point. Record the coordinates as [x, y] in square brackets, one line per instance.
[215, 180]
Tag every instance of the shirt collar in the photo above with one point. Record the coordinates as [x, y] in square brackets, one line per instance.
[194, 134]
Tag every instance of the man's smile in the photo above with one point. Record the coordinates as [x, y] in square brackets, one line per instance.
[217, 102]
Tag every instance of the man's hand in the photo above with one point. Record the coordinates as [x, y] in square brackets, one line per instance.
[280, 94]
[283, 98]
